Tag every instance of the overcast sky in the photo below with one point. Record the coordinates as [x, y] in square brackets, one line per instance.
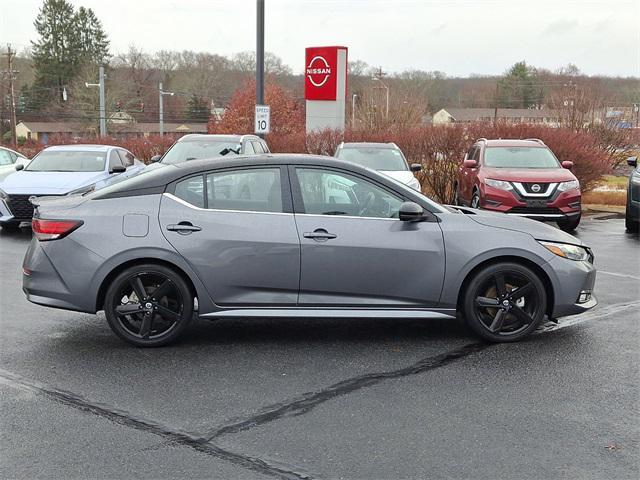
[459, 37]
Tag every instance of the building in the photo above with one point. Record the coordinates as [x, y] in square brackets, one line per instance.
[510, 115]
[120, 128]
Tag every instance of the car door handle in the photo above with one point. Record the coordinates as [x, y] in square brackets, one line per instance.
[319, 234]
[183, 228]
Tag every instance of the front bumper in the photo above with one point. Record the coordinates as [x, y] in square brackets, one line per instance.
[560, 206]
[570, 279]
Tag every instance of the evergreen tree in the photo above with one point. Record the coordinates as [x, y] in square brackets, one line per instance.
[518, 88]
[68, 40]
[197, 108]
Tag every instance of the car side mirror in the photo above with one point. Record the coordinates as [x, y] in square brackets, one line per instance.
[118, 169]
[567, 164]
[411, 212]
[468, 163]
[19, 167]
[416, 167]
[155, 158]
[632, 161]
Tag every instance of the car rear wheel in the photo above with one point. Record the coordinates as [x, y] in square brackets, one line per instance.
[569, 224]
[504, 302]
[148, 305]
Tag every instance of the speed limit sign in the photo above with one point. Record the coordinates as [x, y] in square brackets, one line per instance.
[263, 119]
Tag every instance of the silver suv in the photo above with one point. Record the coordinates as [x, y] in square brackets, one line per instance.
[201, 146]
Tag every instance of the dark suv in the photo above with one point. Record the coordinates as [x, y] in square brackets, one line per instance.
[519, 177]
[200, 146]
[632, 214]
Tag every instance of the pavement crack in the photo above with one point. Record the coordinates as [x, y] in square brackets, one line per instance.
[170, 435]
[307, 401]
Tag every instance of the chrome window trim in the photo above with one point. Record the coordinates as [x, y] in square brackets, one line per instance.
[345, 216]
[520, 188]
[187, 204]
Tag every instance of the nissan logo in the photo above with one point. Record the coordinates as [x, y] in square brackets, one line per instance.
[318, 71]
[535, 188]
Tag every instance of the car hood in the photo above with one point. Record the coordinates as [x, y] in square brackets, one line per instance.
[538, 230]
[48, 183]
[542, 175]
[405, 176]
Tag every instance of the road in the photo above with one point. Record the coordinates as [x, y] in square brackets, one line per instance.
[325, 398]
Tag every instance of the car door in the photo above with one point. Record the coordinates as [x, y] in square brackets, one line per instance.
[467, 176]
[355, 251]
[237, 230]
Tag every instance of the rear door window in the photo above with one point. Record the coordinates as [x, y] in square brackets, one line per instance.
[255, 190]
[191, 191]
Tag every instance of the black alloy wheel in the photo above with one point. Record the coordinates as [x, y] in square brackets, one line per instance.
[148, 305]
[505, 302]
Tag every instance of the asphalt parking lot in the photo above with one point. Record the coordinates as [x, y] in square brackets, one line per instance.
[325, 398]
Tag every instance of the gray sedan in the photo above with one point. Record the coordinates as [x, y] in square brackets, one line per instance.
[295, 236]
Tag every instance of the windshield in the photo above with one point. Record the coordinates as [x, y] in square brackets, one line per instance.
[519, 157]
[67, 161]
[389, 159]
[183, 151]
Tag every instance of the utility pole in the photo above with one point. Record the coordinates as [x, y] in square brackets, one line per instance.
[10, 73]
[103, 111]
[379, 76]
[260, 53]
[495, 108]
[161, 93]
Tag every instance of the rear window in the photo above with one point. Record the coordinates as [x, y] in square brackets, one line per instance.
[520, 157]
[67, 161]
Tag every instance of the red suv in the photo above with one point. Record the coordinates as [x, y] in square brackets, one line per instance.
[519, 177]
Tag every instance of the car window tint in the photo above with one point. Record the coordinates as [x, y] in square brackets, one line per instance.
[6, 158]
[126, 157]
[328, 192]
[191, 190]
[256, 190]
[248, 148]
[114, 159]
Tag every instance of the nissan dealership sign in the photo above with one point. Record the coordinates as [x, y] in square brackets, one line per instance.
[325, 87]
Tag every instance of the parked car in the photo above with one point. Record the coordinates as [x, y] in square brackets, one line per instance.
[62, 170]
[383, 157]
[9, 160]
[632, 212]
[519, 177]
[295, 236]
[200, 146]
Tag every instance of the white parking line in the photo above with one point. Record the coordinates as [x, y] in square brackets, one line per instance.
[624, 275]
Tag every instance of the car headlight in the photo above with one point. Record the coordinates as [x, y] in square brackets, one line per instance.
[3, 195]
[566, 250]
[83, 190]
[501, 184]
[564, 186]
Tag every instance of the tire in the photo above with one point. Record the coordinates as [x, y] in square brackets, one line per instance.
[475, 200]
[630, 224]
[569, 225]
[487, 314]
[161, 317]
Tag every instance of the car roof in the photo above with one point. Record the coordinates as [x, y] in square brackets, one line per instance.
[369, 145]
[534, 143]
[196, 137]
[81, 147]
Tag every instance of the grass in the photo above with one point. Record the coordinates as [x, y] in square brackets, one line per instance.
[612, 182]
[605, 197]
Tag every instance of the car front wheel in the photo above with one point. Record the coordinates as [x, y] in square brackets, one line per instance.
[504, 302]
[475, 200]
[148, 305]
[569, 224]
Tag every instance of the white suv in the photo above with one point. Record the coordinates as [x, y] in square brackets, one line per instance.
[387, 158]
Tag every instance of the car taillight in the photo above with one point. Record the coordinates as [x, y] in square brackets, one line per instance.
[45, 230]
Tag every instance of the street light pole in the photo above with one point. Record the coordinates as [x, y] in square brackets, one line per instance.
[353, 110]
[260, 52]
[161, 94]
[386, 87]
[103, 111]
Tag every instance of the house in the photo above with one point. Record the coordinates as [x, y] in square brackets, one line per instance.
[117, 127]
[510, 115]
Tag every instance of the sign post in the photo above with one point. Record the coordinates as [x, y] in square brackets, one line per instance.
[262, 119]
